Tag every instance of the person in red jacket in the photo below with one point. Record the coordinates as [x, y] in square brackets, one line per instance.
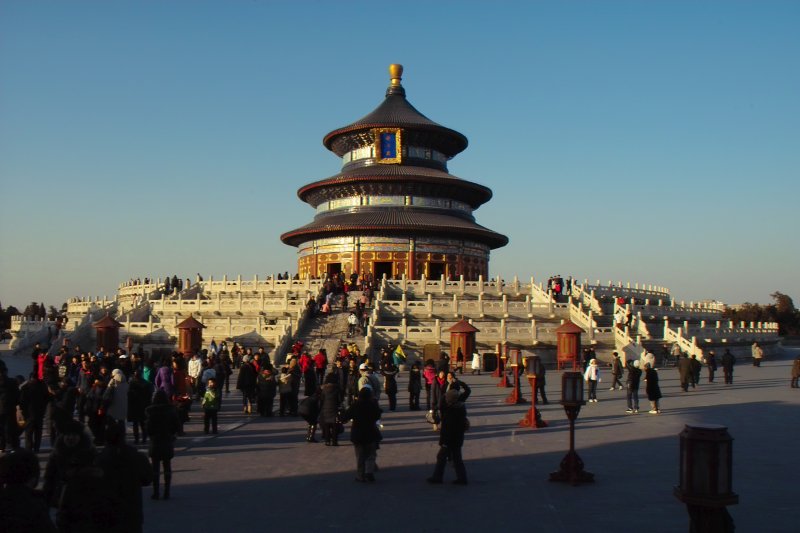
[320, 364]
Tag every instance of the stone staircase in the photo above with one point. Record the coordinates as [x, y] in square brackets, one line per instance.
[329, 332]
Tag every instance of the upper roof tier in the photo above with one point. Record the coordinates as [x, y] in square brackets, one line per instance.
[395, 112]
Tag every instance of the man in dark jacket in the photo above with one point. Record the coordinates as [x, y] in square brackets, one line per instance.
[451, 438]
[728, 360]
[125, 472]
[9, 396]
[633, 380]
[33, 398]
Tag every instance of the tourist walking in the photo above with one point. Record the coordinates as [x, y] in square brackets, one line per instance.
[758, 354]
[9, 397]
[115, 399]
[140, 393]
[246, 382]
[696, 369]
[685, 372]
[329, 410]
[429, 374]
[266, 387]
[389, 373]
[162, 426]
[364, 433]
[414, 386]
[652, 388]
[476, 363]
[438, 389]
[616, 372]
[210, 406]
[795, 372]
[632, 382]
[125, 471]
[728, 362]
[711, 365]
[451, 438]
[33, 398]
[309, 411]
[592, 376]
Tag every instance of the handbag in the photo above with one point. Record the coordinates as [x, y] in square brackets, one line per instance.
[432, 417]
[20, 417]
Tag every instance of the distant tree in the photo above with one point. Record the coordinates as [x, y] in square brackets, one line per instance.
[42, 310]
[32, 310]
[782, 311]
[5, 316]
[52, 313]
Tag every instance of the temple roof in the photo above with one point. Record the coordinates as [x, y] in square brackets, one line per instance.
[394, 180]
[394, 222]
[396, 112]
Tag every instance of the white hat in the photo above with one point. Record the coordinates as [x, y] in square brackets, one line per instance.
[363, 366]
[123, 356]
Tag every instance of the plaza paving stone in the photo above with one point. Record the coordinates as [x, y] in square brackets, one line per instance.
[259, 474]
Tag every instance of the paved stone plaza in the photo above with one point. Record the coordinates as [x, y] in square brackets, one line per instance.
[260, 474]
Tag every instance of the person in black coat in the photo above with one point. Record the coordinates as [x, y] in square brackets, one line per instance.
[696, 368]
[364, 433]
[266, 388]
[451, 438]
[64, 398]
[140, 392]
[329, 410]
[652, 388]
[414, 386]
[246, 382]
[162, 426]
[438, 389]
[125, 472]
[9, 397]
[685, 372]
[728, 361]
[353, 375]
[389, 372]
[711, 365]
[309, 411]
[33, 400]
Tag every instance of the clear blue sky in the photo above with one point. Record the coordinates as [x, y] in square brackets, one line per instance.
[656, 142]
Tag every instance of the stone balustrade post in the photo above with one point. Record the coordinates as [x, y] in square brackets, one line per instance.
[430, 305]
[702, 324]
[528, 306]
[403, 304]
[503, 330]
[437, 330]
[404, 327]
[752, 325]
[461, 286]
[742, 324]
[550, 303]
[499, 285]
[516, 286]
[480, 306]
[505, 306]
[534, 332]
[455, 305]
[443, 284]
[480, 283]
[403, 283]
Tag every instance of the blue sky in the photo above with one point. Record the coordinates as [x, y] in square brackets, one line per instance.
[656, 142]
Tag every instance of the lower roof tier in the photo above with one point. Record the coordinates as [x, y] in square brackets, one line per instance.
[394, 222]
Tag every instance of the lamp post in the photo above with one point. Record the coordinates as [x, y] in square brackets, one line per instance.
[516, 395]
[706, 464]
[571, 468]
[533, 418]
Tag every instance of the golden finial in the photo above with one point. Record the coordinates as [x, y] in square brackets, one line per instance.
[396, 74]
